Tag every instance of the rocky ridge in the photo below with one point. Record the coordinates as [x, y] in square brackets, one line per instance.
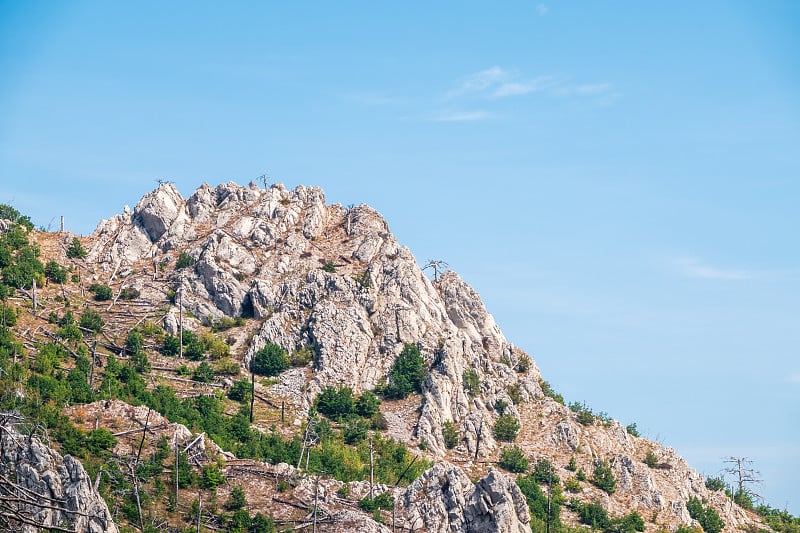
[335, 279]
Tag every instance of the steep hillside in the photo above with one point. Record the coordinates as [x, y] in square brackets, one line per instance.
[235, 271]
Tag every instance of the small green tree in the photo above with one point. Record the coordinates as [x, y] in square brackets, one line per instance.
[603, 478]
[544, 472]
[75, 250]
[236, 499]
[408, 373]
[203, 373]
[367, 404]
[513, 459]
[184, 260]
[270, 360]
[715, 483]
[335, 403]
[450, 435]
[171, 345]
[506, 428]
[55, 272]
[100, 441]
[92, 320]
[471, 382]
[101, 292]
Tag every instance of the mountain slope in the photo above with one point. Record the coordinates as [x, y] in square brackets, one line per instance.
[335, 282]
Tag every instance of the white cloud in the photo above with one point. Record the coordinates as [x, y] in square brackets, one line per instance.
[794, 378]
[514, 88]
[542, 9]
[461, 116]
[480, 81]
[497, 82]
[694, 268]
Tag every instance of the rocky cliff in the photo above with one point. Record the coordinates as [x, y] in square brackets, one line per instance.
[336, 280]
[41, 490]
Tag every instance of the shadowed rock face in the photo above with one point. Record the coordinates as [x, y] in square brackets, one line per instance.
[44, 478]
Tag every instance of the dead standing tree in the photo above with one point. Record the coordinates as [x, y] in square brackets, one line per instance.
[437, 266]
[744, 474]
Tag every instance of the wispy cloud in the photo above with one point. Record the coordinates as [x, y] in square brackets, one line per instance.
[542, 9]
[695, 268]
[461, 116]
[479, 81]
[514, 88]
[498, 82]
[794, 378]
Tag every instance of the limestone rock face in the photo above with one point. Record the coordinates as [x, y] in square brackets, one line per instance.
[336, 281]
[444, 499]
[260, 253]
[46, 478]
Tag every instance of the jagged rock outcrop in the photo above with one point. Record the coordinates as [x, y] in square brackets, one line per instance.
[260, 253]
[53, 490]
[444, 499]
[336, 280]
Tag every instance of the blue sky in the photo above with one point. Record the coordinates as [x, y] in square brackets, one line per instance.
[619, 180]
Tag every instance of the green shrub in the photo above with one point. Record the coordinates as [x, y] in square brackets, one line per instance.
[450, 435]
[7, 212]
[573, 485]
[100, 441]
[591, 514]
[632, 430]
[227, 366]
[471, 382]
[585, 415]
[184, 260]
[329, 266]
[603, 478]
[101, 292]
[548, 391]
[335, 403]
[515, 393]
[211, 477]
[226, 323]
[580, 475]
[76, 250]
[129, 293]
[506, 428]
[203, 373]
[715, 483]
[650, 459]
[55, 272]
[513, 459]
[91, 320]
[270, 360]
[408, 373]
[216, 347]
[544, 472]
[382, 501]
[302, 356]
[236, 499]
[709, 518]
[171, 346]
[355, 430]
[367, 405]
[538, 501]
[572, 466]
[240, 392]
